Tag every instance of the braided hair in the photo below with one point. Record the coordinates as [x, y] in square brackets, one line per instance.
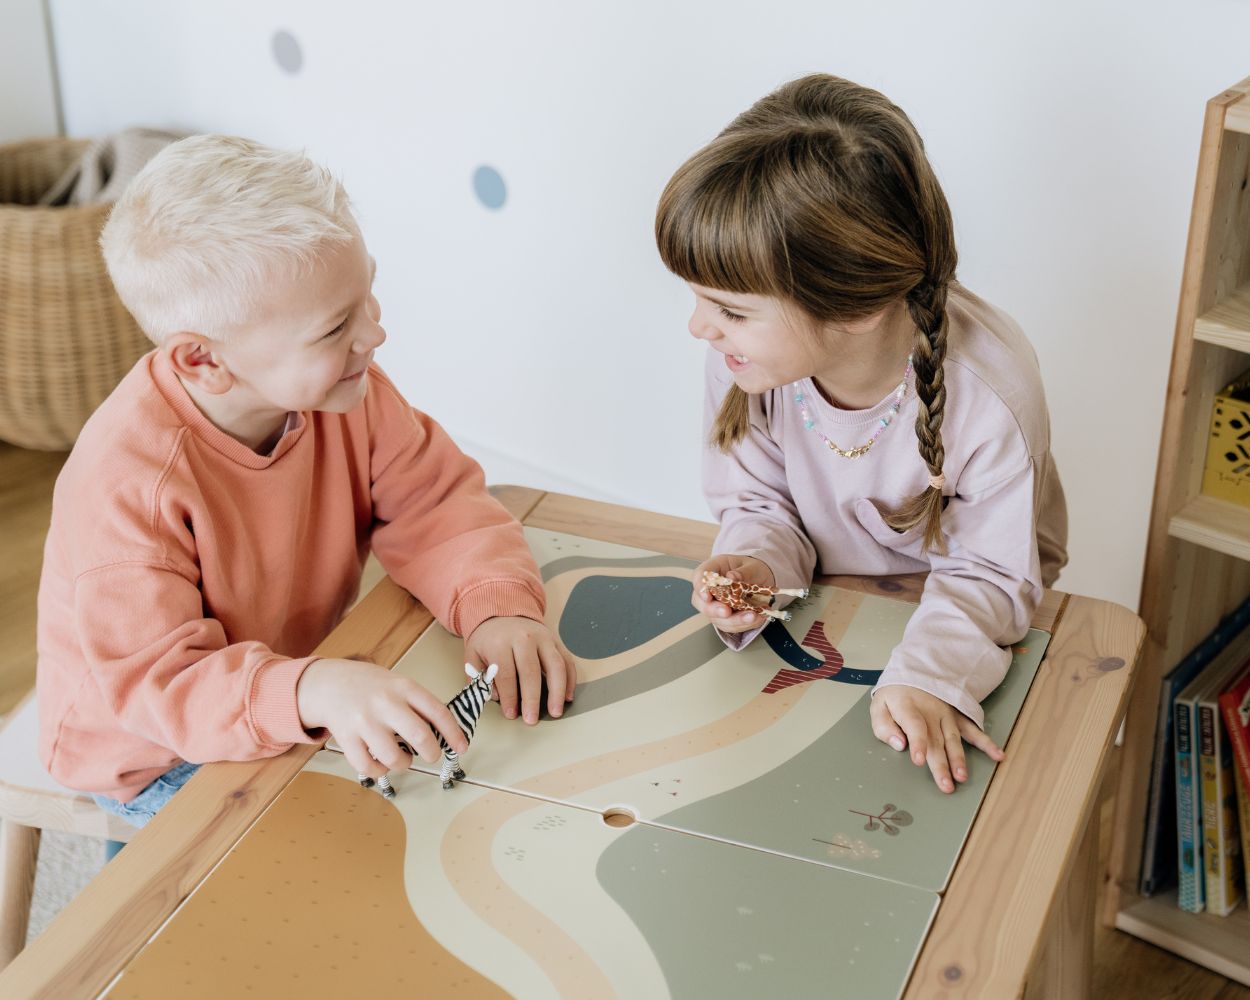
[820, 195]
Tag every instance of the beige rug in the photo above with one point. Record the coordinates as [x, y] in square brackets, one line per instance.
[66, 864]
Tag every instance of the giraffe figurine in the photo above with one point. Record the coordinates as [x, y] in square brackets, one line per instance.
[738, 595]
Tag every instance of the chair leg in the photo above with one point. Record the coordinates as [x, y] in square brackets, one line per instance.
[19, 851]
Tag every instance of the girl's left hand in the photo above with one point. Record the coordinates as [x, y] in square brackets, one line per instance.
[936, 732]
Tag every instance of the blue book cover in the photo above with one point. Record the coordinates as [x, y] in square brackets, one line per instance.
[1189, 820]
[1159, 847]
[1188, 842]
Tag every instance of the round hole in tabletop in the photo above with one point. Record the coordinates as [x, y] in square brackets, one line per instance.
[619, 816]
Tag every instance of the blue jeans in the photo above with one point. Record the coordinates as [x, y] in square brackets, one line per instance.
[143, 806]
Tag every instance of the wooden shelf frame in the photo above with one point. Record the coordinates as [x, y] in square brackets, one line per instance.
[1198, 548]
[1227, 323]
[1214, 524]
[1218, 943]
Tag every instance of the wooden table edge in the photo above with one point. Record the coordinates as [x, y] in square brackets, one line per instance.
[1011, 883]
[117, 914]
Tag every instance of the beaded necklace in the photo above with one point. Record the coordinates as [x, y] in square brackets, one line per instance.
[801, 398]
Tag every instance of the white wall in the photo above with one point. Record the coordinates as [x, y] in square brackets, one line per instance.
[27, 95]
[547, 334]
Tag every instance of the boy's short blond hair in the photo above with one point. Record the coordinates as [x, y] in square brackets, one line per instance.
[209, 221]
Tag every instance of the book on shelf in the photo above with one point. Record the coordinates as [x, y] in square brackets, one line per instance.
[1159, 850]
[1243, 819]
[1235, 707]
[1221, 848]
[1191, 893]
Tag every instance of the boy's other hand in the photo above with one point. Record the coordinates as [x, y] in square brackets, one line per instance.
[747, 569]
[903, 715]
[368, 710]
[527, 653]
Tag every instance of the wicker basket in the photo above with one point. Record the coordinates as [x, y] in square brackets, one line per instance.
[65, 338]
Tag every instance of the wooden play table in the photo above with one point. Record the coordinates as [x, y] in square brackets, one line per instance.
[1016, 916]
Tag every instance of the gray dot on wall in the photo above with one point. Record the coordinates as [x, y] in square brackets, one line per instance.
[286, 51]
[489, 187]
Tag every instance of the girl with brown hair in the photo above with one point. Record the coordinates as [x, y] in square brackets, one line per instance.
[820, 250]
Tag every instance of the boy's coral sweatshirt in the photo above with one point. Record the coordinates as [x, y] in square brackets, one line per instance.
[186, 579]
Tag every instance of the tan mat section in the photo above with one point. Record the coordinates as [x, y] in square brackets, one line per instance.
[334, 922]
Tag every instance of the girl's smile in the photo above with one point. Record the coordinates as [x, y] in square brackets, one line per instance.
[766, 346]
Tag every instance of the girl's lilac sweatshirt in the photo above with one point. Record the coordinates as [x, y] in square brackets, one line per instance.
[785, 498]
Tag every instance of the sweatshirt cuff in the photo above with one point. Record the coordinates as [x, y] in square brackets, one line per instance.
[272, 706]
[738, 641]
[952, 694]
[494, 599]
[787, 566]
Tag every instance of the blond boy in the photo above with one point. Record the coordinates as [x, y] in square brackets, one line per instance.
[210, 526]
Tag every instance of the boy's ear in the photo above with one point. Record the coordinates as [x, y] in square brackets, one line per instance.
[194, 359]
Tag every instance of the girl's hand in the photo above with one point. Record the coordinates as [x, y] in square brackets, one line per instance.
[748, 569]
[903, 715]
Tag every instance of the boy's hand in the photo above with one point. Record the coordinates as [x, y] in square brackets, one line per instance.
[526, 652]
[368, 710]
[936, 731]
[747, 569]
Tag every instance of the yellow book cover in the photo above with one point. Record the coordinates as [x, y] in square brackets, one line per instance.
[1221, 854]
[1243, 811]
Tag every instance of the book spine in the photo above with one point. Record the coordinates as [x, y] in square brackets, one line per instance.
[1157, 840]
[1154, 863]
[1188, 859]
[1218, 873]
[1243, 813]
[1238, 737]
[1230, 821]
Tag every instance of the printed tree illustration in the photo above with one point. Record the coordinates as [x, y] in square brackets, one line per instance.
[891, 818]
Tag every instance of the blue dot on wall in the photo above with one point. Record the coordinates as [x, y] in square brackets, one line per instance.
[287, 52]
[489, 187]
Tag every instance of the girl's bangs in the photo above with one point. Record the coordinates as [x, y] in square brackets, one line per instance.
[708, 235]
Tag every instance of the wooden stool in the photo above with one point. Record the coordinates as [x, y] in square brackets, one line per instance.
[31, 802]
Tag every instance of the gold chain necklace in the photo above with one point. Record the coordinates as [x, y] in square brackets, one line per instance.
[801, 398]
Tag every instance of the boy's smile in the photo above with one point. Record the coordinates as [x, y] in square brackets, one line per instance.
[305, 346]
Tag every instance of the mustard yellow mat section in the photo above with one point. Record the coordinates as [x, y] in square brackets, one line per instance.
[327, 914]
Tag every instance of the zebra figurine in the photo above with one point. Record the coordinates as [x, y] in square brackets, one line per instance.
[466, 707]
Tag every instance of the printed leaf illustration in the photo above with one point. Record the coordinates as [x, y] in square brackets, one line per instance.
[891, 818]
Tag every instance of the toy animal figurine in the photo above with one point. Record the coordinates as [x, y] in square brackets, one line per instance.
[738, 595]
[466, 708]
[383, 783]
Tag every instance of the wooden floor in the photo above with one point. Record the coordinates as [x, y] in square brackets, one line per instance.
[1125, 968]
[26, 479]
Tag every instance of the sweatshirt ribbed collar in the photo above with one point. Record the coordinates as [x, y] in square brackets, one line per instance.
[825, 412]
[188, 414]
